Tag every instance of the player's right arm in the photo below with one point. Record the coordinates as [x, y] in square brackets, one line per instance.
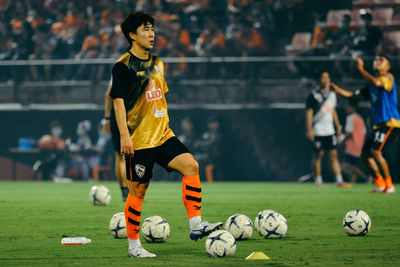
[107, 110]
[120, 116]
[118, 92]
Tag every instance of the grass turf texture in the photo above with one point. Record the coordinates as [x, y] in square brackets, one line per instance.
[36, 215]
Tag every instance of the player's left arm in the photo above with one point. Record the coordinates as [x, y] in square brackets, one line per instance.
[382, 82]
[337, 122]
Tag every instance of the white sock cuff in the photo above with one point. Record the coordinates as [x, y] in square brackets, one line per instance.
[134, 242]
[194, 221]
[339, 178]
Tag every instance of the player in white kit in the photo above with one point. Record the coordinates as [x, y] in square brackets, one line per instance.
[321, 119]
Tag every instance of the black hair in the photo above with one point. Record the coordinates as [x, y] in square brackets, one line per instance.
[384, 55]
[319, 73]
[133, 21]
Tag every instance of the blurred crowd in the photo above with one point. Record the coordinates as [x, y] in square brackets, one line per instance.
[77, 157]
[90, 148]
[60, 29]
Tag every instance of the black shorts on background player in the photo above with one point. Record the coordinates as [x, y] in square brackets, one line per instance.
[142, 162]
[325, 143]
[379, 138]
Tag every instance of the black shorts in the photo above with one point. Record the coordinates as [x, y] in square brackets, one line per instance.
[379, 138]
[325, 143]
[115, 137]
[139, 167]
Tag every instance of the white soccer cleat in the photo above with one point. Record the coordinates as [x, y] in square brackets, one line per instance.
[140, 252]
[203, 229]
[378, 190]
[389, 190]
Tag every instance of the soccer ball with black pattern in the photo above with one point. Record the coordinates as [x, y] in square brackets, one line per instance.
[240, 226]
[117, 225]
[356, 223]
[99, 195]
[259, 218]
[155, 229]
[220, 243]
[273, 225]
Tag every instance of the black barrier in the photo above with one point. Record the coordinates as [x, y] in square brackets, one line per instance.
[257, 144]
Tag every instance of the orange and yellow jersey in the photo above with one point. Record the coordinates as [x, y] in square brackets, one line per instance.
[142, 85]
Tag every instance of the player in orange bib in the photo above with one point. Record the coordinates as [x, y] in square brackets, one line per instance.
[141, 116]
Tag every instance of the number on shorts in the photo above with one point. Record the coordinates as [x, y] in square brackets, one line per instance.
[379, 137]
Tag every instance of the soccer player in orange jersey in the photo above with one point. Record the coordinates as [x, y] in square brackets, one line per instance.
[140, 108]
[382, 92]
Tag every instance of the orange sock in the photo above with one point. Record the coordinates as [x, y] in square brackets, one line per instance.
[133, 209]
[191, 194]
[380, 182]
[388, 182]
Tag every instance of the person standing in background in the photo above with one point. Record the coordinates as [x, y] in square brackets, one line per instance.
[355, 131]
[321, 119]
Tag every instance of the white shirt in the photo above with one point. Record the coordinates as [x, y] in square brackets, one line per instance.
[323, 106]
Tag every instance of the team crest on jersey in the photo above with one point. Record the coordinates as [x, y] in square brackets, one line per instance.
[140, 170]
[153, 93]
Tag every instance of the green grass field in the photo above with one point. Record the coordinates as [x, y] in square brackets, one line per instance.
[36, 215]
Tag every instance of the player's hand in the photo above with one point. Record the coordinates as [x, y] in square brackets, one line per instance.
[106, 127]
[310, 136]
[126, 145]
[333, 87]
[360, 63]
[339, 132]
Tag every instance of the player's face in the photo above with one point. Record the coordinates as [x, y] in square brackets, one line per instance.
[325, 80]
[144, 36]
[381, 64]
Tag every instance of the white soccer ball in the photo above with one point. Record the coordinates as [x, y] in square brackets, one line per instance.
[259, 218]
[155, 229]
[99, 195]
[273, 225]
[356, 222]
[240, 226]
[117, 225]
[220, 243]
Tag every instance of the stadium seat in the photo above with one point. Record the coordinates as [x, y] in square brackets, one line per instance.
[382, 16]
[392, 41]
[363, 3]
[375, 3]
[335, 16]
[301, 42]
[106, 170]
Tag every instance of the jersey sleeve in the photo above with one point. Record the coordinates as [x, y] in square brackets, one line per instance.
[120, 81]
[310, 102]
[387, 82]
[164, 85]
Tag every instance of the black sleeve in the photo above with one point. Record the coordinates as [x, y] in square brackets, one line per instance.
[310, 102]
[361, 94]
[120, 81]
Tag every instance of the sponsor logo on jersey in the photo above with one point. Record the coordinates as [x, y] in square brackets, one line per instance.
[153, 93]
[140, 170]
[158, 113]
